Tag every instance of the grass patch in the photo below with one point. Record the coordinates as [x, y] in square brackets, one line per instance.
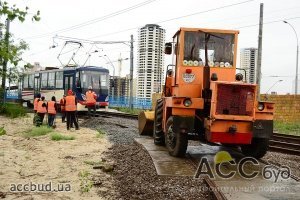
[91, 162]
[58, 136]
[290, 128]
[134, 111]
[37, 131]
[2, 131]
[12, 110]
[100, 134]
[85, 183]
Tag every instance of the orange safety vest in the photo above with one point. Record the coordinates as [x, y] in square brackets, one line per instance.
[62, 104]
[35, 103]
[51, 108]
[40, 108]
[90, 98]
[70, 103]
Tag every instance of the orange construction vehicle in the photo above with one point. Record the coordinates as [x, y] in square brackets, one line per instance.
[205, 99]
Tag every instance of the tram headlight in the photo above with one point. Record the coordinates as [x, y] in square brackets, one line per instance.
[187, 102]
[261, 106]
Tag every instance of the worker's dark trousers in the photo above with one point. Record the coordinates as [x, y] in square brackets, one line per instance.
[51, 118]
[40, 119]
[91, 107]
[71, 118]
[63, 116]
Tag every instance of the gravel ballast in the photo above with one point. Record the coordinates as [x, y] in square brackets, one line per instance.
[134, 175]
[291, 161]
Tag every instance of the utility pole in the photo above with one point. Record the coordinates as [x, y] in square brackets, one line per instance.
[297, 55]
[259, 52]
[131, 73]
[5, 60]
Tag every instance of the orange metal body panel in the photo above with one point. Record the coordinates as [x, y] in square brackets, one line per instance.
[177, 102]
[183, 112]
[263, 116]
[267, 113]
[223, 126]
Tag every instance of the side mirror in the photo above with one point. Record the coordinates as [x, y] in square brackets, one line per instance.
[168, 48]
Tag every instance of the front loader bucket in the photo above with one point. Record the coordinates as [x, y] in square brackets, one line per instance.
[146, 119]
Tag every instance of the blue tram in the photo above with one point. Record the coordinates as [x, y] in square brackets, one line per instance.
[56, 82]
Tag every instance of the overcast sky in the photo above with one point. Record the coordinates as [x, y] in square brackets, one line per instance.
[279, 40]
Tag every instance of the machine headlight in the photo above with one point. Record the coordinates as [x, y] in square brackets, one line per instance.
[261, 106]
[187, 102]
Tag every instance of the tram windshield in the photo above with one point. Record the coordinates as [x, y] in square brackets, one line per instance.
[97, 80]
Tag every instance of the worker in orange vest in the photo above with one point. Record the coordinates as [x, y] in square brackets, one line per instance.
[35, 102]
[90, 101]
[63, 108]
[71, 107]
[52, 109]
[41, 110]
[35, 105]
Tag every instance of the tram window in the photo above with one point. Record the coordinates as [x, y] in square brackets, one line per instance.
[84, 80]
[25, 81]
[103, 80]
[51, 80]
[30, 81]
[44, 80]
[95, 81]
[59, 80]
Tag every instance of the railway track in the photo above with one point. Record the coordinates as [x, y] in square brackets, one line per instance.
[215, 193]
[125, 115]
[285, 144]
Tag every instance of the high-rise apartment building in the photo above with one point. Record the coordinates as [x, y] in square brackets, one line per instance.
[150, 60]
[248, 61]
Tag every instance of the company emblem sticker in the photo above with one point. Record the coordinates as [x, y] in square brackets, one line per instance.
[188, 78]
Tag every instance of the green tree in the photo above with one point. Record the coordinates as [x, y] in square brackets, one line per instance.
[10, 50]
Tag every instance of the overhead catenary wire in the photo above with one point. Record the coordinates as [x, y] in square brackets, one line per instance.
[88, 41]
[269, 22]
[176, 18]
[113, 14]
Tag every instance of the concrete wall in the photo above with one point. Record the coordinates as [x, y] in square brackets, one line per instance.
[287, 107]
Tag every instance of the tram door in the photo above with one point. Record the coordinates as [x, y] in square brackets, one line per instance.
[68, 83]
[37, 84]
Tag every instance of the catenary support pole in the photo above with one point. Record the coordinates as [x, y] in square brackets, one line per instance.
[259, 52]
[131, 73]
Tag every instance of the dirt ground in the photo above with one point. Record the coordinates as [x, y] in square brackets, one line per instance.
[39, 160]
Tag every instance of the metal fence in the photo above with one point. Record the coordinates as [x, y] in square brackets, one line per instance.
[141, 103]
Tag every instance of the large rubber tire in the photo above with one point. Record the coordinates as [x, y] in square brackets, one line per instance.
[257, 149]
[158, 134]
[176, 142]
